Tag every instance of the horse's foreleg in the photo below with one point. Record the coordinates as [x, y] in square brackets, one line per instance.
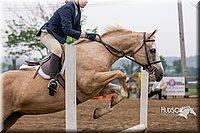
[122, 91]
[120, 94]
[106, 77]
[11, 120]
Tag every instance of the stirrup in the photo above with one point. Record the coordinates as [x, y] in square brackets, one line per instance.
[52, 86]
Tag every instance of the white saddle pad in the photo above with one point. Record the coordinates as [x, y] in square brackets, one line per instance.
[29, 68]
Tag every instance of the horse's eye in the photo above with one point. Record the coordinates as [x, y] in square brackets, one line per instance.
[153, 51]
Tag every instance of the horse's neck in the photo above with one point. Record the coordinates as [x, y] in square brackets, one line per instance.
[126, 42]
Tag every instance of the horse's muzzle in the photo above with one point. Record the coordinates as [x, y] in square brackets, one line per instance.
[158, 74]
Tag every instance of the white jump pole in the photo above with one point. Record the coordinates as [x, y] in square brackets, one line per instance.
[70, 89]
[143, 104]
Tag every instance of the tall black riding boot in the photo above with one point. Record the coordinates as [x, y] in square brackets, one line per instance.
[160, 94]
[54, 69]
[152, 93]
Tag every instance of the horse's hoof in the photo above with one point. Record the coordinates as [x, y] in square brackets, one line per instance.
[96, 113]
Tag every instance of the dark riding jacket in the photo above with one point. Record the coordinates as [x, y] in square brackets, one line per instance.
[65, 22]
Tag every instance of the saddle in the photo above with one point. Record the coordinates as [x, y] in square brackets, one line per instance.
[43, 65]
[43, 69]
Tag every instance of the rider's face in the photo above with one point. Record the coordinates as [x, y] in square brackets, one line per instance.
[82, 3]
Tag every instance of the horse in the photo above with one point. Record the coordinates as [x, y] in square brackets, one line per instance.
[23, 95]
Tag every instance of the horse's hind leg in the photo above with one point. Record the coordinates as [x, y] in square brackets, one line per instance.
[123, 93]
[11, 120]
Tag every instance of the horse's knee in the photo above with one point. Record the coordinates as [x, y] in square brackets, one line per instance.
[121, 74]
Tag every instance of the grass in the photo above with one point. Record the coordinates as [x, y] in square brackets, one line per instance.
[192, 89]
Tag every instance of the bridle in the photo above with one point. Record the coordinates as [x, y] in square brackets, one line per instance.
[148, 67]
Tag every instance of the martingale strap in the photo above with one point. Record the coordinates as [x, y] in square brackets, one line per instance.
[111, 49]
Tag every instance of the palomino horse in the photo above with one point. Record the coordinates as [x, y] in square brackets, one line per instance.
[23, 95]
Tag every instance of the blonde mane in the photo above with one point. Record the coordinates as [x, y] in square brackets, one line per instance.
[108, 30]
[113, 29]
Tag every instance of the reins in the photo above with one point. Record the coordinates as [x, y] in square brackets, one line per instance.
[121, 54]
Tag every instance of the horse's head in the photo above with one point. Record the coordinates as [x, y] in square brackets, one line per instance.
[138, 45]
[146, 54]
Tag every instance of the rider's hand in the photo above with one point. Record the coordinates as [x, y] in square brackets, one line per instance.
[90, 36]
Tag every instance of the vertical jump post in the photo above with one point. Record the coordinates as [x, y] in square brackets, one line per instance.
[70, 89]
[143, 104]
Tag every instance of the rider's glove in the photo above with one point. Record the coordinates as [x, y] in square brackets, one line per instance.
[90, 36]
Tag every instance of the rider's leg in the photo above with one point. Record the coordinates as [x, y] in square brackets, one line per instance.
[55, 47]
[54, 69]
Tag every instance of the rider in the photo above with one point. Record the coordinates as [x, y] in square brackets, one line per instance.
[64, 22]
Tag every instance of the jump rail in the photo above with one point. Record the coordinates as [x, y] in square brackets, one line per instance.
[143, 105]
[70, 95]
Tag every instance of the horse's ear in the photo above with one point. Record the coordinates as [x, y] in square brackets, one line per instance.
[153, 33]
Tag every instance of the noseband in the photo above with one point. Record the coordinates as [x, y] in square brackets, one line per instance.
[120, 54]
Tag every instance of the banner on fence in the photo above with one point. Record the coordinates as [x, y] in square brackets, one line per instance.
[175, 86]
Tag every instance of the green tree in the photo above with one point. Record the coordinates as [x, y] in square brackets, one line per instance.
[20, 33]
[27, 40]
[192, 71]
[126, 68]
[164, 63]
[22, 43]
[177, 66]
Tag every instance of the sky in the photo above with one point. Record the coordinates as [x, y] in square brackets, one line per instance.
[136, 15]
